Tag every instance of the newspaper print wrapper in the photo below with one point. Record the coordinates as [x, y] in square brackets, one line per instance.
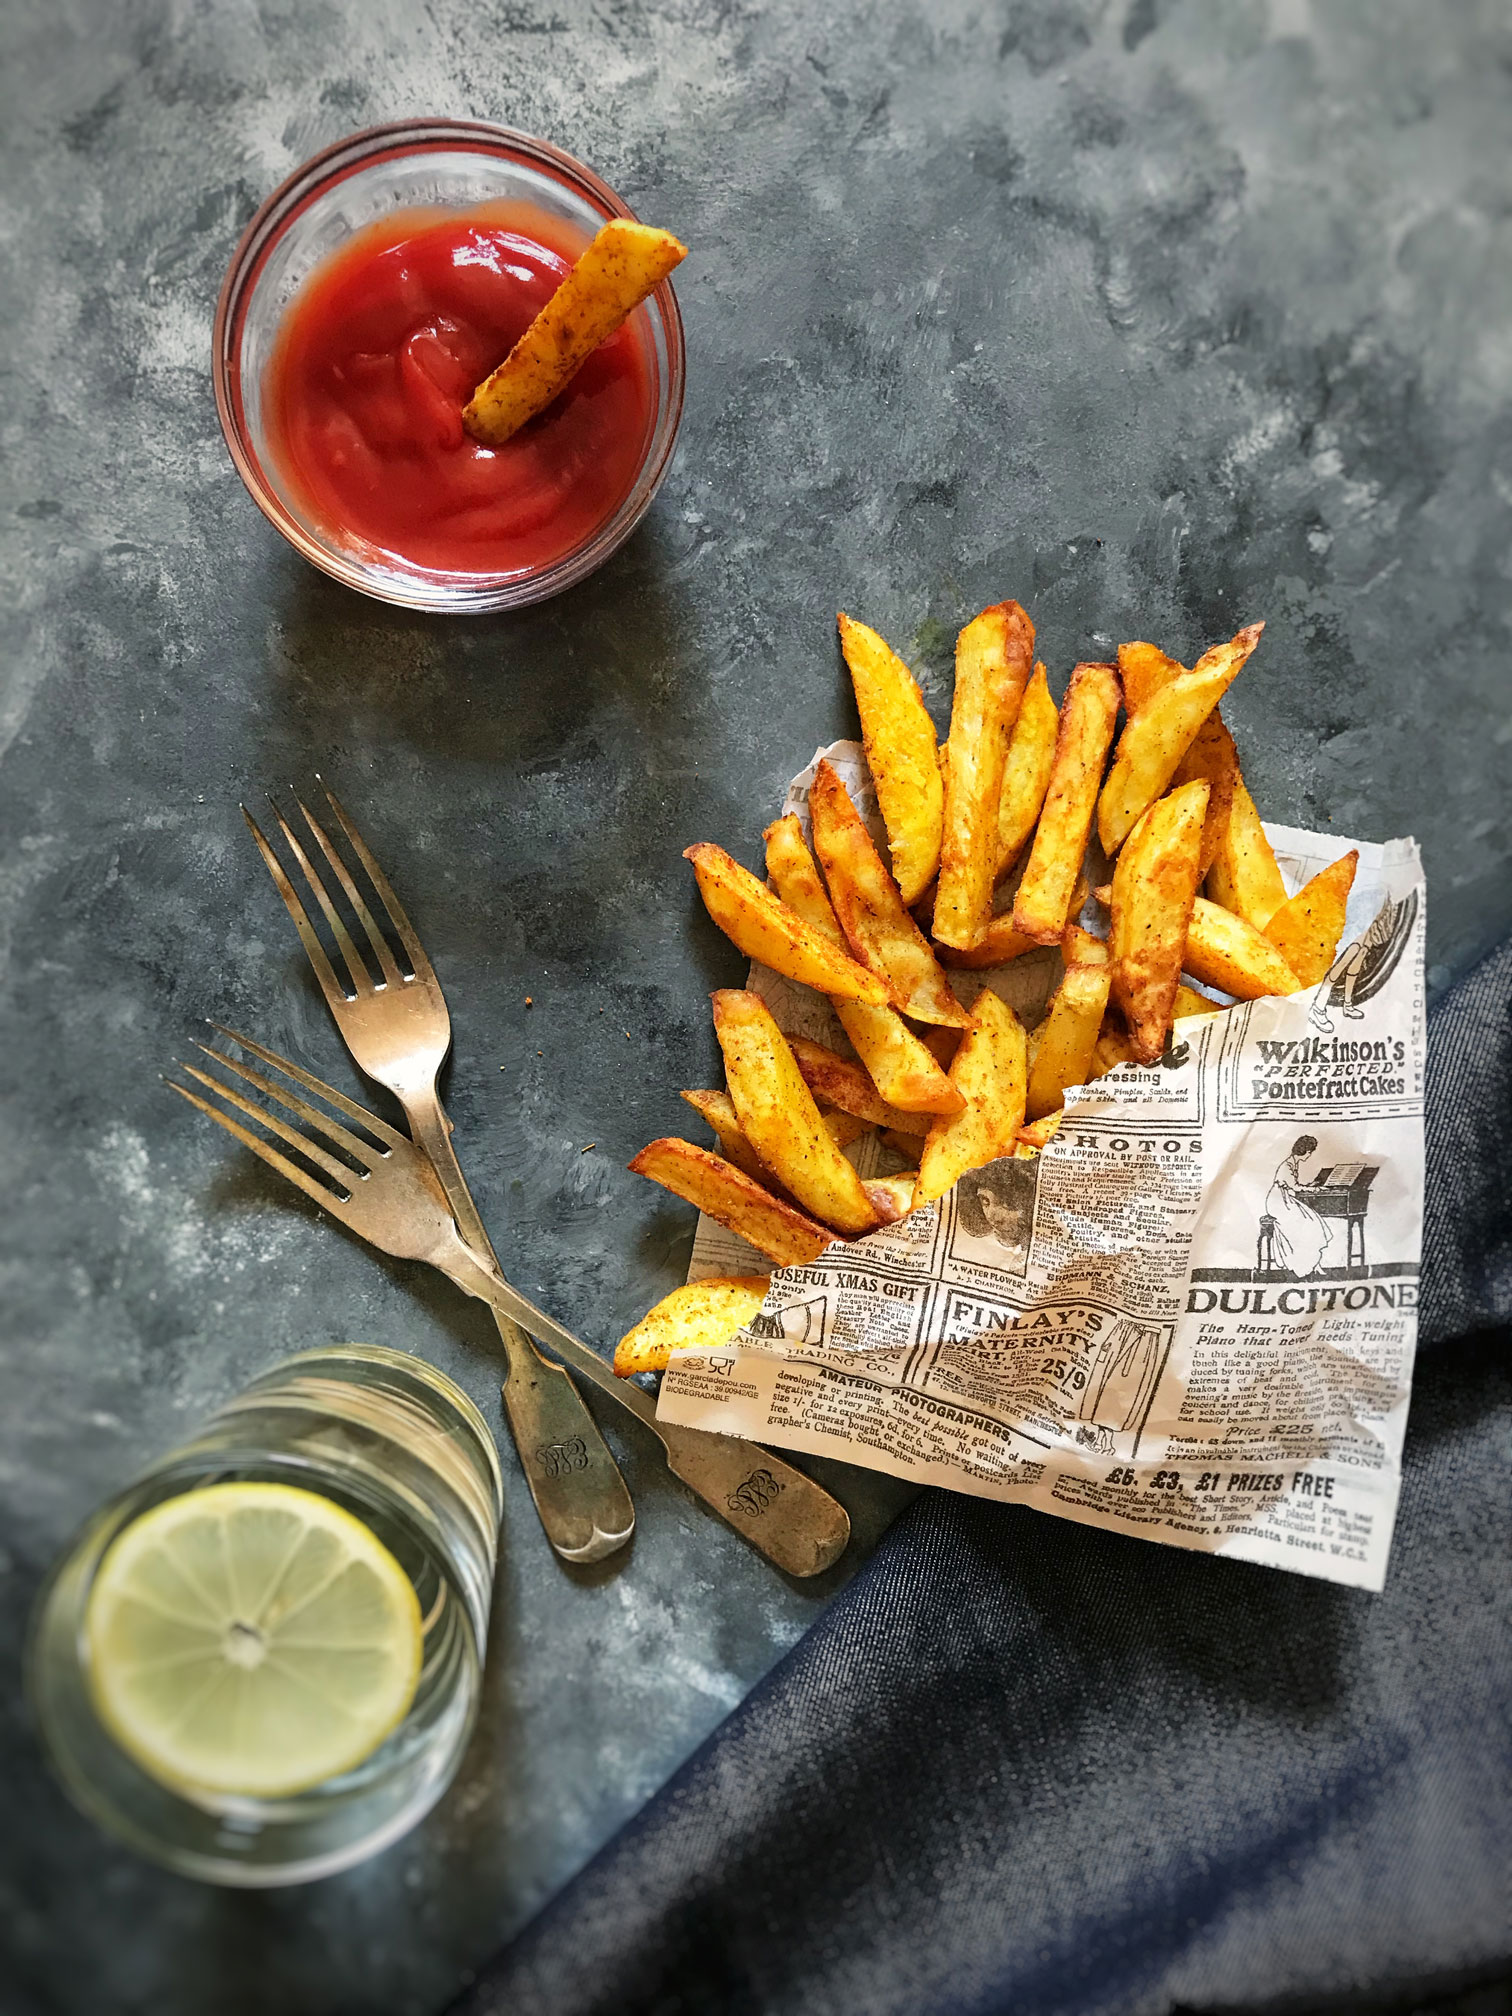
[1192, 1317]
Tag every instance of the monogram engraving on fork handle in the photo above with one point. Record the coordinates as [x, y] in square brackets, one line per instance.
[557, 1458]
[756, 1495]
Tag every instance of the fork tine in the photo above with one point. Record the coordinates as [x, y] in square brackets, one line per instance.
[343, 1172]
[300, 1178]
[402, 926]
[364, 1151]
[390, 1136]
[362, 982]
[339, 868]
[330, 986]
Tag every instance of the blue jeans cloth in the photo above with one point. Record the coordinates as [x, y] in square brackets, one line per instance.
[1022, 1765]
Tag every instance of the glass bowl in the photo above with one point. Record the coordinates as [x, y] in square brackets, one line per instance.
[430, 163]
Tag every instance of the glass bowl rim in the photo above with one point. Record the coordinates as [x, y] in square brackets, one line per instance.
[475, 595]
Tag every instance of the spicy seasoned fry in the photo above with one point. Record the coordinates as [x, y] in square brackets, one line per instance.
[1042, 907]
[1038, 1132]
[998, 943]
[891, 1197]
[748, 913]
[1307, 929]
[724, 1193]
[624, 263]
[718, 1108]
[1189, 1002]
[1144, 669]
[840, 1083]
[1154, 889]
[870, 910]
[1068, 1035]
[994, 656]
[990, 1070]
[1026, 776]
[778, 1115]
[1159, 735]
[702, 1316]
[1113, 1049]
[1223, 951]
[901, 1067]
[1244, 877]
[901, 749]
[1214, 761]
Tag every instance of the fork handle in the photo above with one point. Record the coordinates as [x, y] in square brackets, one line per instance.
[784, 1514]
[580, 1497]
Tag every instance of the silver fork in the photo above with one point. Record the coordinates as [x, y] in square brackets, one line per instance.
[399, 1032]
[382, 1189]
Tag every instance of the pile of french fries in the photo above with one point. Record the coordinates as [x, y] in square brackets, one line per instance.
[994, 843]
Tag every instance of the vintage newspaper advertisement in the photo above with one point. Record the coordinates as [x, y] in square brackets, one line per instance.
[1191, 1318]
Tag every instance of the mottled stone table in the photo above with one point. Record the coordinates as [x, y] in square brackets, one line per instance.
[1158, 314]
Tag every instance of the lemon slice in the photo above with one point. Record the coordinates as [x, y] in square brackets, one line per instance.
[251, 1638]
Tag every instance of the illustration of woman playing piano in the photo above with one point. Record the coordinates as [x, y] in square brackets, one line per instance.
[1301, 1234]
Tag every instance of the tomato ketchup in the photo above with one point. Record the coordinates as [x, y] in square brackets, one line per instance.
[385, 344]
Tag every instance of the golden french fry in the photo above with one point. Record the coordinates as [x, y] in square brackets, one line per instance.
[1026, 776]
[765, 929]
[1154, 888]
[901, 1067]
[1040, 1131]
[1223, 951]
[1144, 669]
[778, 1115]
[990, 1069]
[624, 263]
[1113, 1048]
[718, 1108]
[1214, 760]
[1189, 1002]
[1068, 1035]
[725, 1193]
[1307, 929]
[994, 657]
[1244, 877]
[1159, 735]
[870, 909]
[838, 1082]
[1043, 904]
[701, 1316]
[902, 751]
[999, 943]
[891, 1197]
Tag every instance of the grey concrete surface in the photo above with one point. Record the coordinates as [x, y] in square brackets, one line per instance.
[1160, 315]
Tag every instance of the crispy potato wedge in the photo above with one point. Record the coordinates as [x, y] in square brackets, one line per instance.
[778, 1115]
[1083, 948]
[990, 1069]
[718, 1108]
[1038, 1132]
[765, 929]
[909, 1146]
[901, 1067]
[1214, 760]
[1144, 669]
[844, 1128]
[1113, 1048]
[891, 1197]
[725, 1193]
[1154, 889]
[902, 750]
[999, 943]
[1306, 930]
[624, 263]
[1042, 907]
[994, 658]
[1026, 775]
[870, 908]
[1223, 951]
[1159, 735]
[1068, 1035]
[1244, 877]
[837, 1082]
[1189, 1002]
[701, 1316]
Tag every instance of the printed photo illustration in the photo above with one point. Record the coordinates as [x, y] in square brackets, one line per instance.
[997, 1204]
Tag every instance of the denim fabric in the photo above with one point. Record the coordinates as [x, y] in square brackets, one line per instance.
[1022, 1765]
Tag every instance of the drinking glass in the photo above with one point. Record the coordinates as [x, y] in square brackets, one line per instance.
[401, 1448]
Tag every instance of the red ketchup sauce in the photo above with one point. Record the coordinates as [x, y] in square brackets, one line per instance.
[379, 352]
